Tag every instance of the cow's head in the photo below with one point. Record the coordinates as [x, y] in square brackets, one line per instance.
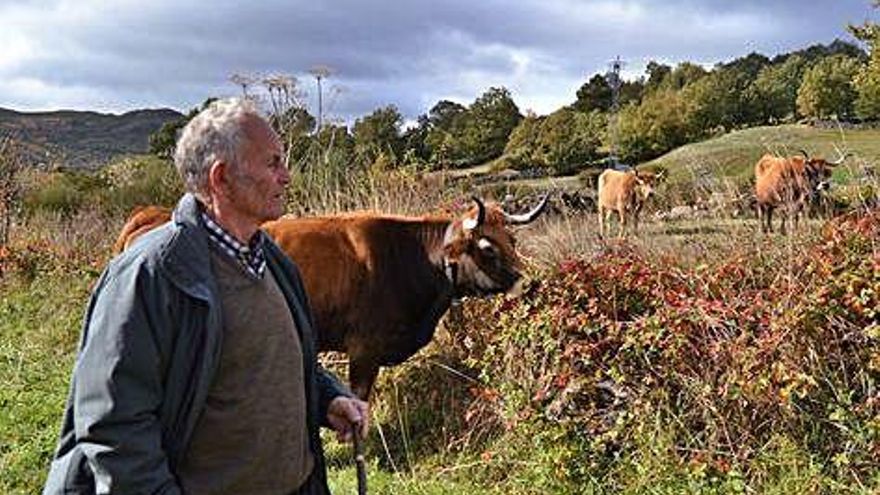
[818, 171]
[480, 249]
[645, 183]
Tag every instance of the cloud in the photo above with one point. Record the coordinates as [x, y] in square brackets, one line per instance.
[91, 54]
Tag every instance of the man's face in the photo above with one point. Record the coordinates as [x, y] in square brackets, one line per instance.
[257, 185]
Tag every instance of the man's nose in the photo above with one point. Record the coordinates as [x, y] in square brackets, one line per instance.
[284, 176]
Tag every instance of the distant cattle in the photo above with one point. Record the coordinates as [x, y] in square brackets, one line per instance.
[379, 284]
[624, 193]
[789, 183]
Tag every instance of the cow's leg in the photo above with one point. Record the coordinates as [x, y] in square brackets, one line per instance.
[761, 218]
[361, 375]
[768, 219]
[622, 230]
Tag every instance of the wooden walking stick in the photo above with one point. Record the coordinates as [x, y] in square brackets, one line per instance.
[359, 461]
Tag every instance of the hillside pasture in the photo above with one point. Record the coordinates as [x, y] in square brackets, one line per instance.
[697, 356]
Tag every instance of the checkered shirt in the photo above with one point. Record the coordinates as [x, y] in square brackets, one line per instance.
[251, 257]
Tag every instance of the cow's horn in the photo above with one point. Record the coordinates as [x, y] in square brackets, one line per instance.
[840, 159]
[804, 152]
[472, 223]
[527, 217]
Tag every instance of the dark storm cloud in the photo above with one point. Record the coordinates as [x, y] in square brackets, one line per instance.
[125, 55]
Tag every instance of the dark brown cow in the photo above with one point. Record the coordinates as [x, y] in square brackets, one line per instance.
[790, 183]
[378, 284]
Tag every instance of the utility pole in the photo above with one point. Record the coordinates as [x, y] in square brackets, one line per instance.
[614, 82]
[320, 72]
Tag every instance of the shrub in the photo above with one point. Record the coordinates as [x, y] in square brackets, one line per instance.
[63, 192]
[138, 181]
[729, 357]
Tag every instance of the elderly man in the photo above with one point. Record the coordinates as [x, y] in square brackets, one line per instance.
[196, 371]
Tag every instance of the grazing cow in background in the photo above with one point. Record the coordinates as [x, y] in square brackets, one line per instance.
[626, 193]
[791, 184]
[378, 284]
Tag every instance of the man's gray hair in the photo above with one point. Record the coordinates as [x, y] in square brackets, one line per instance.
[215, 134]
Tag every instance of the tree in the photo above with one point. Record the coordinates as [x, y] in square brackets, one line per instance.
[827, 89]
[461, 136]
[445, 122]
[491, 118]
[657, 73]
[378, 133]
[657, 125]
[683, 74]
[814, 53]
[11, 168]
[722, 99]
[594, 94]
[631, 91]
[867, 80]
[775, 89]
[415, 147]
[867, 84]
[163, 141]
[522, 144]
[750, 65]
[331, 149]
[568, 139]
[444, 114]
[711, 103]
[295, 128]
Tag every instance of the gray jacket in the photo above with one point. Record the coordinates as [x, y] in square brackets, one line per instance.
[150, 346]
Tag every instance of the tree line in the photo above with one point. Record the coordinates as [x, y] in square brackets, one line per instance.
[659, 111]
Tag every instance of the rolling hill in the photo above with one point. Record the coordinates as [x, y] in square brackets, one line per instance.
[81, 139]
[734, 154]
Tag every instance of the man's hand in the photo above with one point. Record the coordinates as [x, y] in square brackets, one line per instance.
[344, 412]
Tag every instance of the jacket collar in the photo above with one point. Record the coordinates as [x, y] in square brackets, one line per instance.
[185, 257]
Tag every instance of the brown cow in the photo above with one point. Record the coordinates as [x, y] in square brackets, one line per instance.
[625, 193]
[790, 183]
[378, 284]
[142, 220]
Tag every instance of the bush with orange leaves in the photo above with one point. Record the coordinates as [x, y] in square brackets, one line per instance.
[728, 356]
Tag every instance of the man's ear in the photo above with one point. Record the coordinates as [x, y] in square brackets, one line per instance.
[218, 177]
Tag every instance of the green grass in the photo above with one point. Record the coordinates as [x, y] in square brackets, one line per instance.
[39, 328]
[734, 155]
[379, 482]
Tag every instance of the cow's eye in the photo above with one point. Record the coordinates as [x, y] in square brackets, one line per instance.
[487, 247]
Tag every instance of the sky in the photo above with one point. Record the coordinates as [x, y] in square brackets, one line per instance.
[122, 55]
